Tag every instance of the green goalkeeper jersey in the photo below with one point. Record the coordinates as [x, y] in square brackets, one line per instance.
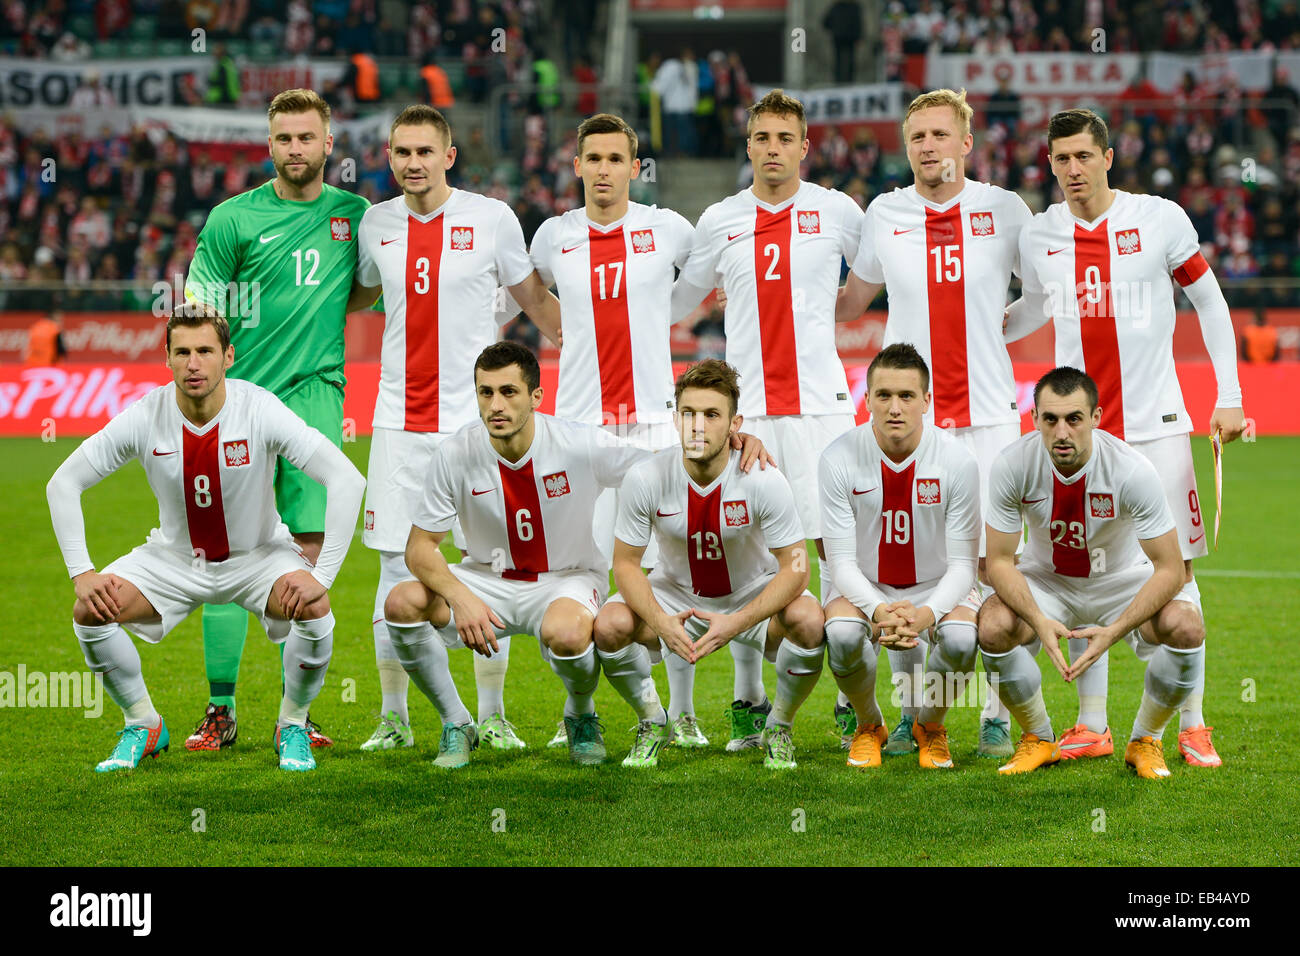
[281, 272]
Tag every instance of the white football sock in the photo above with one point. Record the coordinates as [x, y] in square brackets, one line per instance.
[1091, 687]
[628, 672]
[393, 681]
[580, 674]
[797, 670]
[424, 657]
[109, 651]
[307, 652]
[1171, 674]
[1189, 714]
[1019, 682]
[747, 682]
[951, 667]
[490, 680]
[681, 686]
[908, 675]
[852, 659]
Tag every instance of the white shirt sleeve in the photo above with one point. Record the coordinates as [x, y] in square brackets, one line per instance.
[1142, 497]
[437, 511]
[63, 493]
[958, 578]
[837, 514]
[840, 536]
[1181, 241]
[1020, 217]
[962, 514]
[344, 488]
[367, 269]
[1004, 493]
[612, 456]
[683, 237]
[543, 249]
[777, 515]
[866, 264]
[851, 226]
[635, 506]
[842, 556]
[285, 433]
[701, 268]
[512, 261]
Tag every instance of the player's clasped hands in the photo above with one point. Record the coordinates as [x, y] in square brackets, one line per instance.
[99, 592]
[721, 629]
[673, 631]
[892, 625]
[476, 623]
[1050, 636]
[1099, 641]
[914, 620]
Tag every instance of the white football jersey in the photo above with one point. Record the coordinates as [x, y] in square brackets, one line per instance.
[780, 268]
[530, 516]
[946, 269]
[1084, 526]
[1113, 305]
[440, 275]
[715, 540]
[215, 484]
[613, 283]
[902, 514]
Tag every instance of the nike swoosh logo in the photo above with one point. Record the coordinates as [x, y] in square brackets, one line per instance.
[266, 239]
[384, 242]
[316, 668]
[571, 248]
[868, 491]
[801, 673]
[1031, 501]
[901, 232]
[1196, 539]
[474, 492]
[1080, 746]
[1052, 252]
[162, 454]
[736, 236]
[669, 515]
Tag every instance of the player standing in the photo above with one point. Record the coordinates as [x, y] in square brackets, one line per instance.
[1099, 265]
[776, 248]
[900, 519]
[946, 248]
[1102, 547]
[611, 262]
[732, 568]
[281, 258]
[438, 254]
[208, 447]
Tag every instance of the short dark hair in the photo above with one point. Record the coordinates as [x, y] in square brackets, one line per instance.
[193, 315]
[713, 374]
[505, 354]
[607, 123]
[1066, 381]
[1075, 121]
[420, 115]
[900, 355]
[777, 103]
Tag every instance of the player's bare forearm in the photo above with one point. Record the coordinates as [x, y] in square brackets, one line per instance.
[363, 296]
[425, 560]
[635, 586]
[1011, 586]
[540, 303]
[854, 297]
[788, 584]
[1159, 589]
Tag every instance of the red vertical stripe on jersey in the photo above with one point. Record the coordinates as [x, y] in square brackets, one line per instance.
[945, 272]
[1100, 337]
[613, 326]
[776, 311]
[708, 561]
[204, 512]
[1069, 527]
[896, 559]
[524, 530]
[423, 266]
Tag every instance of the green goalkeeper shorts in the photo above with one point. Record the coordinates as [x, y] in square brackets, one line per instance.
[299, 499]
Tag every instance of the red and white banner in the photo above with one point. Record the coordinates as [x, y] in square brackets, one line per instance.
[79, 399]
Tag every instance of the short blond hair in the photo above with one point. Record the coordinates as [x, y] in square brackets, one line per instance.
[299, 101]
[945, 97]
[778, 104]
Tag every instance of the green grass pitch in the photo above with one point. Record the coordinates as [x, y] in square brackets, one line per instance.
[236, 808]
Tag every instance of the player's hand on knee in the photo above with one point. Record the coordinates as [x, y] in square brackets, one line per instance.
[299, 590]
[1099, 641]
[1050, 636]
[1228, 422]
[98, 592]
[673, 631]
[475, 622]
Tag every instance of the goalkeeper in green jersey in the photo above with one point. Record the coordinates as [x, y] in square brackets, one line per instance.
[278, 260]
